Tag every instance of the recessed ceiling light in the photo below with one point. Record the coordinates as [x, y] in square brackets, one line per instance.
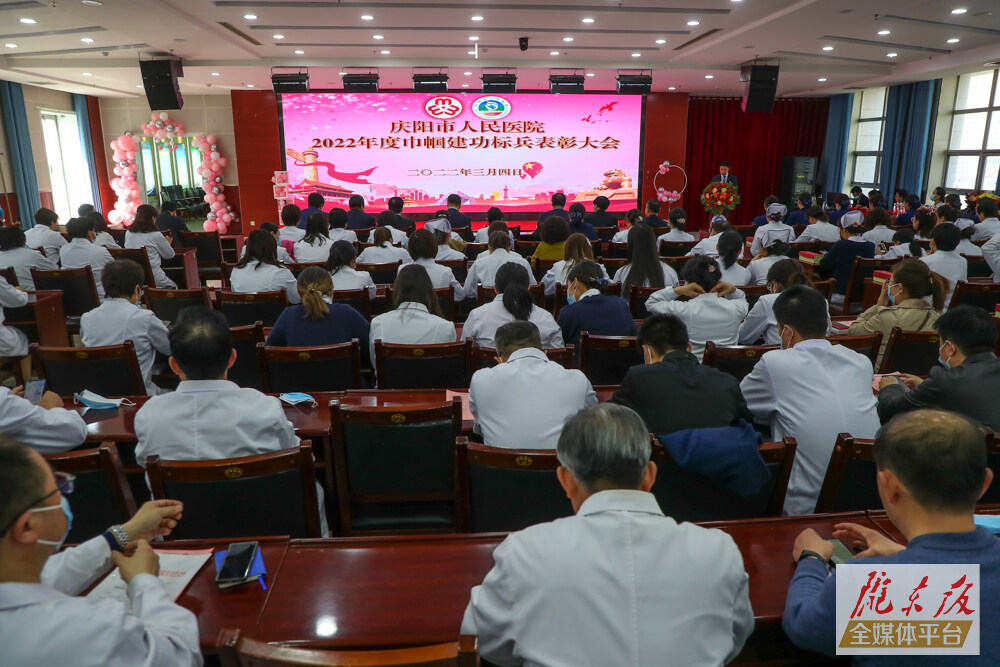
[590, 74]
[661, 41]
[567, 39]
[10, 45]
[250, 17]
[278, 36]
[709, 76]
[384, 52]
[87, 74]
[367, 17]
[216, 74]
[954, 40]
[885, 32]
[471, 53]
[465, 85]
[477, 18]
[28, 21]
[636, 55]
[588, 20]
[671, 87]
[821, 79]
[553, 53]
[250, 85]
[473, 38]
[299, 52]
[378, 37]
[960, 10]
[138, 86]
[341, 73]
[92, 3]
[891, 55]
[828, 48]
[694, 22]
[88, 40]
[467, 73]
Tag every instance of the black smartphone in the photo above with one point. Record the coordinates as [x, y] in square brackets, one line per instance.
[33, 390]
[236, 564]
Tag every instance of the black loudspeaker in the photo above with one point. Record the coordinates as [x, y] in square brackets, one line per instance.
[159, 78]
[761, 87]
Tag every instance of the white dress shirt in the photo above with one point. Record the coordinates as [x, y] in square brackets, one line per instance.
[446, 252]
[986, 229]
[23, 260]
[442, 276]
[46, 431]
[46, 624]
[43, 237]
[523, 403]
[709, 247]
[283, 255]
[621, 236]
[410, 324]
[106, 240]
[116, 321]
[769, 233]
[387, 254]
[674, 236]
[901, 250]
[737, 274]
[559, 273]
[341, 234]
[157, 248]
[347, 278]
[257, 277]
[13, 342]
[483, 322]
[484, 270]
[967, 247]
[991, 253]
[398, 236]
[760, 321]
[879, 234]
[317, 251]
[820, 231]
[616, 584]
[293, 234]
[669, 276]
[483, 236]
[812, 392]
[760, 267]
[79, 253]
[708, 317]
[951, 265]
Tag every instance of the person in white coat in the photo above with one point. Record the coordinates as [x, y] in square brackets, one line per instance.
[965, 245]
[513, 302]
[991, 253]
[715, 309]
[144, 234]
[386, 220]
[283, 256]
[484, 270]
[768, 257]
[774, 230]
[810, 390]
[677, 221]
[988, 225]
[81, 251]
[383, 251]
[819, 229]
[120, 318]
[576, 250]
[710, 246]
[13, 342]
[440, 227]
[43, 621]
[881, 227]
[619, 583]
[341, 265]
[944, 259]
[760, 320]
[422, 249]
[102, 236]
[45, 234]
[338, 227]
[260, 271]
[416, 315]
[16, 255]
[731, 248]
[540, 394]
[494, 223]
[290, 216]
[45, 426]
[315, 245]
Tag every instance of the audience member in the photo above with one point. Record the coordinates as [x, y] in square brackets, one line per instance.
[454, 214]
[386, 220]
[484, 270]
[290, 216]
[121, 318]
[440, 227]
[553, 234]
[903, 245]
[16, 255]
[356, 216]
[879, 227]
[422, 250]
[315, 203]
[590, 308]
[81, 251]
[512, 302]
[395, 206]
[272, 229]
[965, 245]
[677, 221]
[169, 221]
[558, 210]
[760, 321]
[764, 219]
[730, 250]
[672, 391]
[383, 251]
[416, 315]
[988, 225]
[144, 234]
[317, 321]
[910, 205]
[798, 216]
[843, 205]
[991, 253]
[603, 587]
[577, 211]
[13, 341]
[632, 218]
[524, 401]
[937, 197]
[315, 245]
[259, 270]
[810, 390]
[838, 262]
[338, 226]
[102, 237]
[653, 219]
[768, 256]
[923, 224]
[600, 218]
[644, 268]
[819, 229]
[774, 230]
[45, 234]
[341, 265]
[859, 198]
[944, 259]
[577, 249]
[899, 195]
[710, 246]
[494, 222]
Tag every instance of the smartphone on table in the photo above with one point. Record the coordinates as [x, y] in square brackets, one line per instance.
[841, 554]
[33, 390]
[236, 564]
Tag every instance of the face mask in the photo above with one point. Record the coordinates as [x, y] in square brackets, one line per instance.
[64, 506]
[892, 298]
[98, 402]
[296, 398]
[941, 359]
[570, 298]
[781, 338]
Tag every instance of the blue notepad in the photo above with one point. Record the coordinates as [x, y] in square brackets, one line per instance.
[257, 569]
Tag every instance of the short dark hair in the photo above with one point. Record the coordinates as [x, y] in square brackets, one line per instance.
[912, 201]
[803, 309]
[84, 209]
[816, 211]
[168, 206]
[121, 277]
[664, 333]
[986, 206]
[100, 224]
[337, 218]
[653, 206]
[939, 456]
[558, 199]
[601, 203]
[11, 238]
[201, 344]
[356, 201]
[454, 200]
[290, 215]
[554, 230]
[385, 219]
[515, 336]
[947, 213]
[946, 236]
[605, 446]
[395, 204]
[723, 164]
[422, 245]
[22, 480]
[493, 214]
[703, 270]
[772, 199]
[968, 328]
[270, 227]
[315, 200]
[577, 207]
[46, 216]
[805, 197]
[856, 189]
[79, 228]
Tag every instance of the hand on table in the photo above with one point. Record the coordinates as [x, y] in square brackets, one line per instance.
[888, 380]
[810, 540]
[911, 381]
[865, 542]
[143, 560]
[155, 518]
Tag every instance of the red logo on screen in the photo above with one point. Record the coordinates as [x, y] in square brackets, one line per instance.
[443, 107]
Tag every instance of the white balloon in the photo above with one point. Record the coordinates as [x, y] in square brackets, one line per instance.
[164, 115]
[214, 155]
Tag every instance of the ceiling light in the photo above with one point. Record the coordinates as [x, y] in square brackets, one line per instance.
[250, 17]
[278, 36]
[341, 73]
[891, 55]
[471, 53]
[694, 22]
[367, 17]
[474, 38]
[828, 48]
[465, 85]
[884, 32]
[87, 74]
[661, 41]
[588, 20]
[299, 52]
[138, 86]
[636, 55]
[93, 3]
[384, 52]
[960, 10]
[954, 40]
[216, 74]
[88, 40]
[467, 73]
[477, 18]
[10, 45]
[250, 85]
[821, 79]
[590, 74]
[567, 39]
[709, 76]
[553, 53]
[28, 21]
[675, 87]
[378, 37]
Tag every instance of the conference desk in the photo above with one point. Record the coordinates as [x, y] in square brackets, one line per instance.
[42, 319]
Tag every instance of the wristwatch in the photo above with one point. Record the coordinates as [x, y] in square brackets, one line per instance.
[116, 537]
[807, 553]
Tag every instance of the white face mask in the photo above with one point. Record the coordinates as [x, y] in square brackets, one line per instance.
[781, 335]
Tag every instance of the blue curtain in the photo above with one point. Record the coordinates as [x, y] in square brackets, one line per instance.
[833, 164]
[15, 119]
[907, 130]
[83, 124]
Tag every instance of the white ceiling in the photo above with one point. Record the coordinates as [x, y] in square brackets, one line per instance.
[334, 37]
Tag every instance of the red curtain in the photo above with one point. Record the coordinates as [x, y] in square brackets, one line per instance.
[753, 144]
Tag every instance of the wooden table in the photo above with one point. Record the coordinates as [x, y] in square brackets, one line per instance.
[42, 318]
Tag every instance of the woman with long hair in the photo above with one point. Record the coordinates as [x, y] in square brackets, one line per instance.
[590, 308]
[422, 249]
[760, 320]
[317, 320]
[577, 249]
[513, 302]
[383, 251]
[768, 256]
[923, 225]
[644, 267]
[340, 264]
[144, 234]
[315, 245]
[260, 271]
[730, 250]
[416, 315]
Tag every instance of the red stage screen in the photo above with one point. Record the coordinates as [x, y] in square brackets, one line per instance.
[512, 151]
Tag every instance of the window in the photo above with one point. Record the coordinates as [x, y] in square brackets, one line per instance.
[974, 142]
[871, 126]
[168, 167]
[68, 169]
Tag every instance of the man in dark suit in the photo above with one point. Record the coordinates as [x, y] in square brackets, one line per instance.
[315, 203]
[356, 216]
[762, 219]
[968, 382]
[858, 195]
[395, 205]
[672, 391]
[652, 218]
[455, 216]
[558, 209]
[724, 176]
[167, 221]
[600, 217]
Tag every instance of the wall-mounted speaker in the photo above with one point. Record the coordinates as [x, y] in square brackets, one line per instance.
[762, 84]
[159, 78]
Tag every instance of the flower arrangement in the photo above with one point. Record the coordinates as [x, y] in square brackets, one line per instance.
[719, 197]
[668, 196]
[976, 196]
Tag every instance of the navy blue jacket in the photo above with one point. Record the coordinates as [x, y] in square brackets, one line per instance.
[583, 228]
[358, 219]
[458, 219]
[905, 218]
[797, 217]
[599, 315]
[601, 219]
[835, 216]
[760, 220]
[306, 212]
[340, 325]
[839, 261]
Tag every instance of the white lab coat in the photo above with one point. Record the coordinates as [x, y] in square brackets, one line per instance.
[317, 251]
[879, 234]
[901, 250]
[387, 254]
[446, 252]
[951, 265]
[991, 253]
[347, 278]
[410, 324]
[341, 234]
[51, 241]
[759, 268]
[617, 584]
[283, 255]
[674, 236]
[820, 231]
[257, 277]
[708, 317]
[23, 260]
[106, 240]
[709, 247]
[760, 321]
[559, 273]
[986, 229]
[293, 234]
[737, 274]
[79, 253]
[442, 276]
[967, 247]
[13, 342]
[812, 392]
[484, 270]
[157, 248]
[483, 236]
[669, 276]
[45, 624]
[47, 431]
[523, 404]
[398, 236]
[117, 320]
[483, 322]
[769, 233]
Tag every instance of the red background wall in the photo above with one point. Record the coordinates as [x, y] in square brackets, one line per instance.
[258, 156]
[665, 139]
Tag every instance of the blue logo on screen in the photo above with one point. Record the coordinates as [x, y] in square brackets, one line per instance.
[491, 107]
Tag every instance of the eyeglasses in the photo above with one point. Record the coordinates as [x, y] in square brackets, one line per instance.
[64, 485]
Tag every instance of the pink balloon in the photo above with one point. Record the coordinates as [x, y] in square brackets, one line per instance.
[210, 198]
[227, 218]
[126, 171]
[161, 134]
[223, 161]
[154, 116]
[118, 171]
[210, 139]
[130, 155]
[223, 228]
[210, 226]
[220, 198]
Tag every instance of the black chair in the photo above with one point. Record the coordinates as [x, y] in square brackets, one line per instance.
[980, 295]
[606, 359]
[382, 274]
[484, 357]
[637, 298]
[867, 344]
[101, 494]
[676, 248]
[855, 289]
[688, 496]
[140, 257]
[441, 366]
[245, 371]
[265, 494]
[459, 267]
[79, 291]
[310, 369]
[207, 250]
[737, 360]
[850, 483]
[167, 304]
[112, 370]
[243, 308]
[358, 299]
[396, 468]
[753, 293]
[8, 274]
[913, 352]
[978, 268]
[992, 495]
[509, 489]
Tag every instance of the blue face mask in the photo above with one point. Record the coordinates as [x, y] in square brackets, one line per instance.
[570, 298]
[892, 298]
[296, 398]
[941, 358]
[64, 506]
[98, 402]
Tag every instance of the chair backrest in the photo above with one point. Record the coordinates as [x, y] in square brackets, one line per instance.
[79, 291]
[688, 496]
[112, 370]
[855, 291]
[992, 495]
[537, 292]
[541, 266]
[440, 366]
[606, 359]
[8, 274]
[167, 304]
[746, 231]
[913, 352]
[207, 249]
[140, 257]
[237, 497]
[676, 248]
[676, 263]
[396, 467]
[737, 360]
[473, 250]
[382, 274]
[637, 298]
[851, 478]
[868, 344]
[612, 264]
[243, 308]
[484, 357]
[824, 287]
[510, 489]
[298, 267]
[101, 494]
[459, 267]
[525, 248]
[616, 250]
[118, 235]
[977, 266]
[246, 370]
[310, 369]
[358, 299]
[363, 233]
[753, 293]
[445, 297]
[980, 295]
